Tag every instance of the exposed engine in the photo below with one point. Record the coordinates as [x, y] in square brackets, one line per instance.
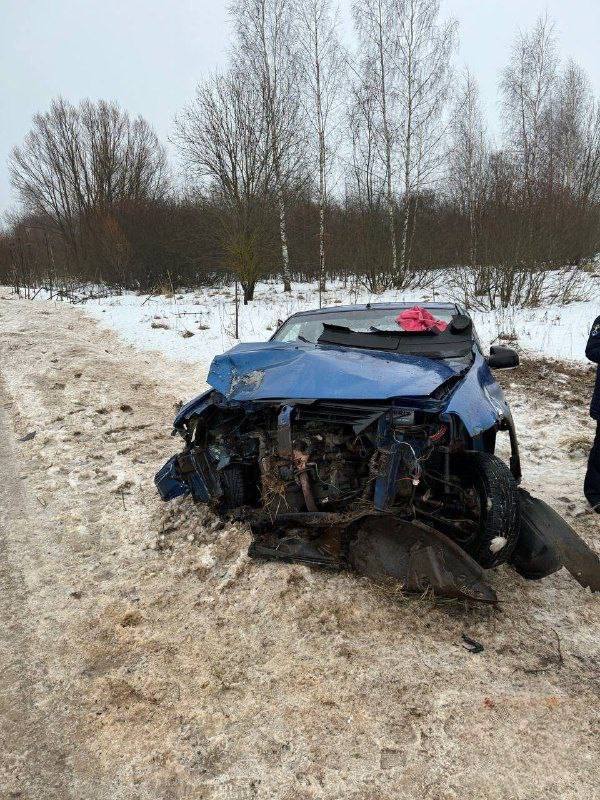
[322, 457]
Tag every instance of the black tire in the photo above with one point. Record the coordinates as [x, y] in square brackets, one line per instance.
[234, 487]
[498, 505]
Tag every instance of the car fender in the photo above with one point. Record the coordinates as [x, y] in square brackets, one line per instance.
[478, 400]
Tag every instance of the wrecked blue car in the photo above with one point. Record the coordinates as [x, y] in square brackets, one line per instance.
[347, 441]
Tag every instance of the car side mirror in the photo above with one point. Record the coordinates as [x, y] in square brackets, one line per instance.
[502, 357]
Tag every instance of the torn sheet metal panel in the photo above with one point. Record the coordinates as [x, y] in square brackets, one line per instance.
[543, 525]
[420, 558]
[169, 482]
[196, 406]
[378, 546]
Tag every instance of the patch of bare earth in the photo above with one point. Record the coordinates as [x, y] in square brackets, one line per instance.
[150, 658]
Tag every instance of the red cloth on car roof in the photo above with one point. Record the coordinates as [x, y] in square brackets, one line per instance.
[418, 318]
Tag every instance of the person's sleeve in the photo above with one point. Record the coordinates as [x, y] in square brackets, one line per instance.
[592, 351]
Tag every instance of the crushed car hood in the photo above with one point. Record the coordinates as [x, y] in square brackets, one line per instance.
[295, 370]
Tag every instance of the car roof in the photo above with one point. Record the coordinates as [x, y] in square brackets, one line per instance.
[380, 306]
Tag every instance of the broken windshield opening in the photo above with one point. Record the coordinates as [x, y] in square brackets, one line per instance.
[378, 329]
[309, 326]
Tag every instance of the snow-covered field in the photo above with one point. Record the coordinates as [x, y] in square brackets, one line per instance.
[165, 323]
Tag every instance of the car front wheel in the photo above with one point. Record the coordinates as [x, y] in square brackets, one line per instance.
[495, 505]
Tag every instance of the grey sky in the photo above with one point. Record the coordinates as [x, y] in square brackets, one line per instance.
[149, 54]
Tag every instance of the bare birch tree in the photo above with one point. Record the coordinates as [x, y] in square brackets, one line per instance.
[366, 191]
[423, 64]
[265, 55]
[588, 177]
[576, 134]
[527, 89]
[321, 59]
[468, 156]
[375, 21]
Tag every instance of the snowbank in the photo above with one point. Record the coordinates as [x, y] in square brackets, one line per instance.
[195, 326]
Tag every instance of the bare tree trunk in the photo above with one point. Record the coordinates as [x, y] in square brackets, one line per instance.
[387, 140]
[321, 54]
[391, 211]
[424, 49]
[271, 97]
[321, 134]
[407, 77]
[285, 258]
[472, 238]
[248, 289]
[322, 273]
[401, 272]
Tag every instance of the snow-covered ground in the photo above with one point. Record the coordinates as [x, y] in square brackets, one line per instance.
[194, 326]
[165, 323]
[146, 656]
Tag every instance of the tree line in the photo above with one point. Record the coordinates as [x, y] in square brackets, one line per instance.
[309, 160]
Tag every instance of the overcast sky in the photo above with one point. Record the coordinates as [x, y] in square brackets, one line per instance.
[148, 55]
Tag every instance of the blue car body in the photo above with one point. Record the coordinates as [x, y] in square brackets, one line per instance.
[303, 371]
[316, 434]
[461, 391]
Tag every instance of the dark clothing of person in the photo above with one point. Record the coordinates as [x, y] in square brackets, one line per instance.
[592, 351]
[591, 486]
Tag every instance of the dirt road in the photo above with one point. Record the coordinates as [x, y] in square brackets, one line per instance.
[144, 656]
